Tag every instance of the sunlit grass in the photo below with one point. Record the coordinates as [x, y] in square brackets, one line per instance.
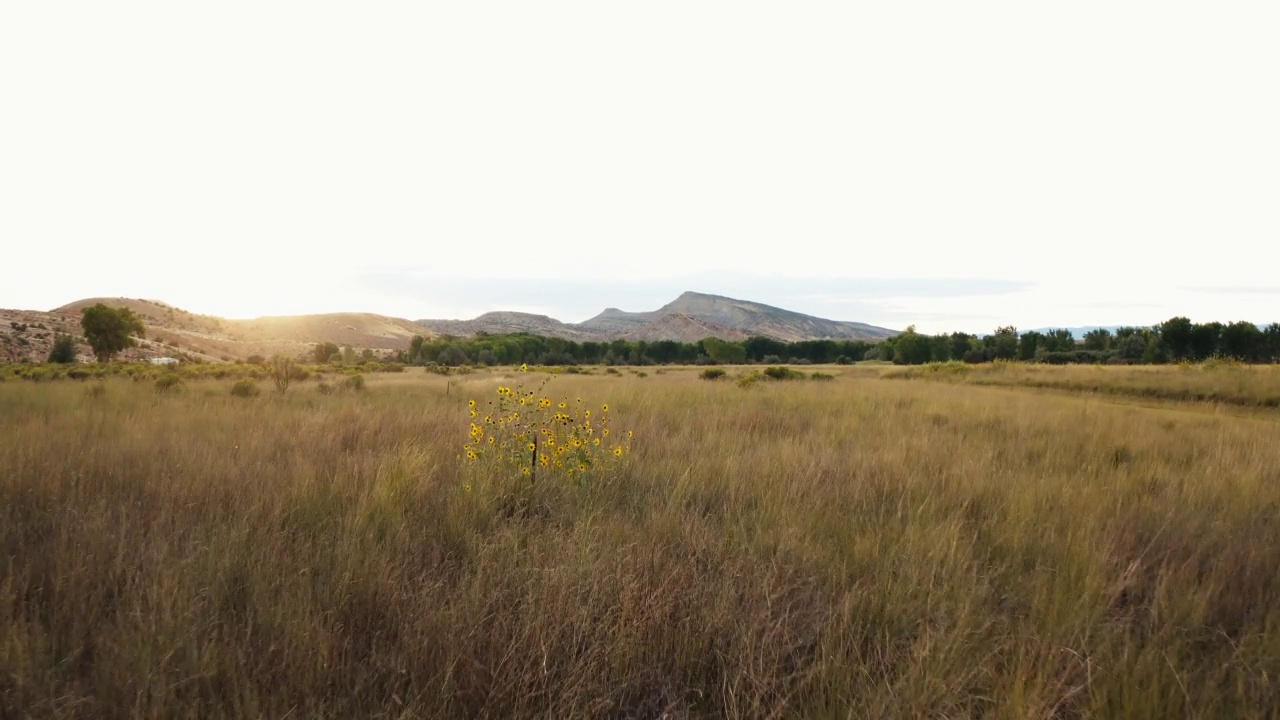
[851, 548]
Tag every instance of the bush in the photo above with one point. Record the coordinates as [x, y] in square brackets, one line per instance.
[245, 388]
[168, 382]
[749, 379]
[64, 350]
[712, 374]
[782, 373]
[354, 383]
[822, 376]
[325, 388]
[283, 372]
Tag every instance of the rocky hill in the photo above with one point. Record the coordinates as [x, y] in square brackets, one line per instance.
[688, 318]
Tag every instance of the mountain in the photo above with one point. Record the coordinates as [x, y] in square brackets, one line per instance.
[29, 334]
[505, 322]
[690, 317]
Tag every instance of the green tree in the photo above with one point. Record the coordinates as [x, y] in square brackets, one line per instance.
[452, 356]
[1004, 343]
[64, 350]
[723, 351]
[1179, 335]
[912, 348]
[1098, 339]
[1028, 343]
[1243, 341]
[110, 330]
[1205, 339]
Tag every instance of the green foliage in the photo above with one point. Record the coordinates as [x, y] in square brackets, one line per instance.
[783, 373]
[109, 331]
[822, 376]
[354, 383]
[245, 388]
[452, 356]
[722, 351]
[168, 382]
[712, 374]
[912, 348]
[64, 350]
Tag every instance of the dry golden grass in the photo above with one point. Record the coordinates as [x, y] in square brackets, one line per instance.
[855, 548]
[1224, 382]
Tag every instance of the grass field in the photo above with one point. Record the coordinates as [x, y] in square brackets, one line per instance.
[867, 547]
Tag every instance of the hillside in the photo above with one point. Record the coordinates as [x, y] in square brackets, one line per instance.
[172, 331]
[29, 334]
[688, 318]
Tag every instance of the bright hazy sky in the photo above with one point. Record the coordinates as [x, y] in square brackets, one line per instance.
[954, 165]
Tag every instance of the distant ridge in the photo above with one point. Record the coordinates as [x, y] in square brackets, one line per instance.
[690, 317]
[172, 331]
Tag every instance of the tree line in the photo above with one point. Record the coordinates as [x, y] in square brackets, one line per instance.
[519, 348]
[1176, 339]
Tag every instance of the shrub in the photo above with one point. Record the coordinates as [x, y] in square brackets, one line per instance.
[782, 373]
[245, 388]
[712, 374]
[168, 382]
[79, 374]
[821, 376]
[325, 388]
[354, 383]
[282, 372]
[64, 350]
[612, 371]
[749, 379]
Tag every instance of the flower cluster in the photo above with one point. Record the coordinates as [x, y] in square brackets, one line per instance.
[529, 433]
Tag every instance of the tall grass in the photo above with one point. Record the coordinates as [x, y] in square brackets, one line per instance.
[1215, 381]
[855, 548]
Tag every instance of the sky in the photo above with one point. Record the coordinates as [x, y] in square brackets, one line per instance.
[956, 166]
